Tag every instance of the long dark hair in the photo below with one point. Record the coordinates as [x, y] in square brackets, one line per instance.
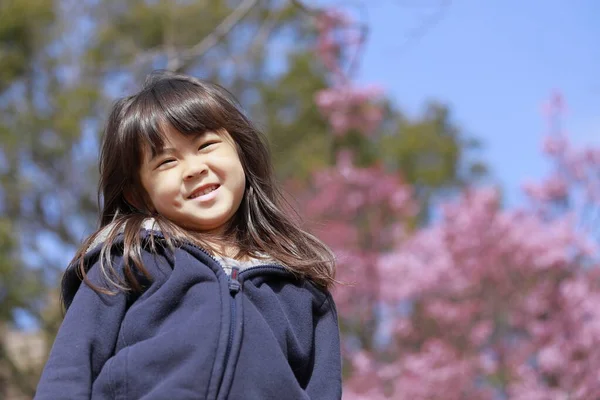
[191, 106]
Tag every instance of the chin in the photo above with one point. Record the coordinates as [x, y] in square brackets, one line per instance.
[208, 227]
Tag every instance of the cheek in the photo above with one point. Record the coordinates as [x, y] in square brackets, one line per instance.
[241, 175]
[228, 164]
[164, 190]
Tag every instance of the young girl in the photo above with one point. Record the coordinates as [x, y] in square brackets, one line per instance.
[197, 284]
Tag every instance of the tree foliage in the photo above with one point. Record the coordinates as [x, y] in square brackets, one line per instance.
[64, 62]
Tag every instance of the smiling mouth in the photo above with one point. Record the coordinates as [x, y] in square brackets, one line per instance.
[204, 191]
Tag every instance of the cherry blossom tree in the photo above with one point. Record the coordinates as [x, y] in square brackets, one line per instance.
[484, 303]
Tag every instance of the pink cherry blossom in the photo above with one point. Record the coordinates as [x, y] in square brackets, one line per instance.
[348, 108]
[484, 303]
[345, 106]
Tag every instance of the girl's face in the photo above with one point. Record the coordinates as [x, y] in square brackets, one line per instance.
[196, 181]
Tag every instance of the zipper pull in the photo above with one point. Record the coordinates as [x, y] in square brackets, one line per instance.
[234, 283]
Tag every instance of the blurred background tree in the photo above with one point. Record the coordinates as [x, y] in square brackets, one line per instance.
[65, 61]
[482, 302]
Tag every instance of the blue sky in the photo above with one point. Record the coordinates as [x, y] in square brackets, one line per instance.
[495, 63]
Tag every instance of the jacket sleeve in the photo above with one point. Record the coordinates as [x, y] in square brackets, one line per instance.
[85, 341]
[326, 377]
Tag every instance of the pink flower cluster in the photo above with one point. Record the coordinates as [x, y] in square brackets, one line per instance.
[351, 208]
[500, 305]
[484, 304]
[566, 340]
[575, 177]
[575, 174]
[338, 35]
[346, 107]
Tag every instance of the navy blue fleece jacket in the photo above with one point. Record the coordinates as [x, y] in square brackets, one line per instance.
[196, 333]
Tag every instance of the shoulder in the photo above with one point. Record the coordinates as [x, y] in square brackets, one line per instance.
[324, 301]
[108, 269]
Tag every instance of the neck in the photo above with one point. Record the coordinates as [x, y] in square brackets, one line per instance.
[219, 244]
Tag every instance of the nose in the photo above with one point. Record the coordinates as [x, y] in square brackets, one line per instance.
[194, 169]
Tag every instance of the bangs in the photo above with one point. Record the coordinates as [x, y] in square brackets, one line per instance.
[188, 108]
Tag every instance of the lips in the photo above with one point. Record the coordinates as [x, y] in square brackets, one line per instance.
[203, 190]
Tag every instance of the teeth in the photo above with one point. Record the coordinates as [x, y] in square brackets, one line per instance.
[205, 191]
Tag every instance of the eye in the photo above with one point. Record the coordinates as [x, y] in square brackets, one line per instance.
[164, 162]
[206, 144]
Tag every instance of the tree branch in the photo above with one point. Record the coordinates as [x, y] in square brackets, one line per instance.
[307, 9]
[212, 39]
[260, 38]
[427, 23]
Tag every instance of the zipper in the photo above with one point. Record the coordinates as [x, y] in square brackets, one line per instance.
[234, 288]
[263, 267]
